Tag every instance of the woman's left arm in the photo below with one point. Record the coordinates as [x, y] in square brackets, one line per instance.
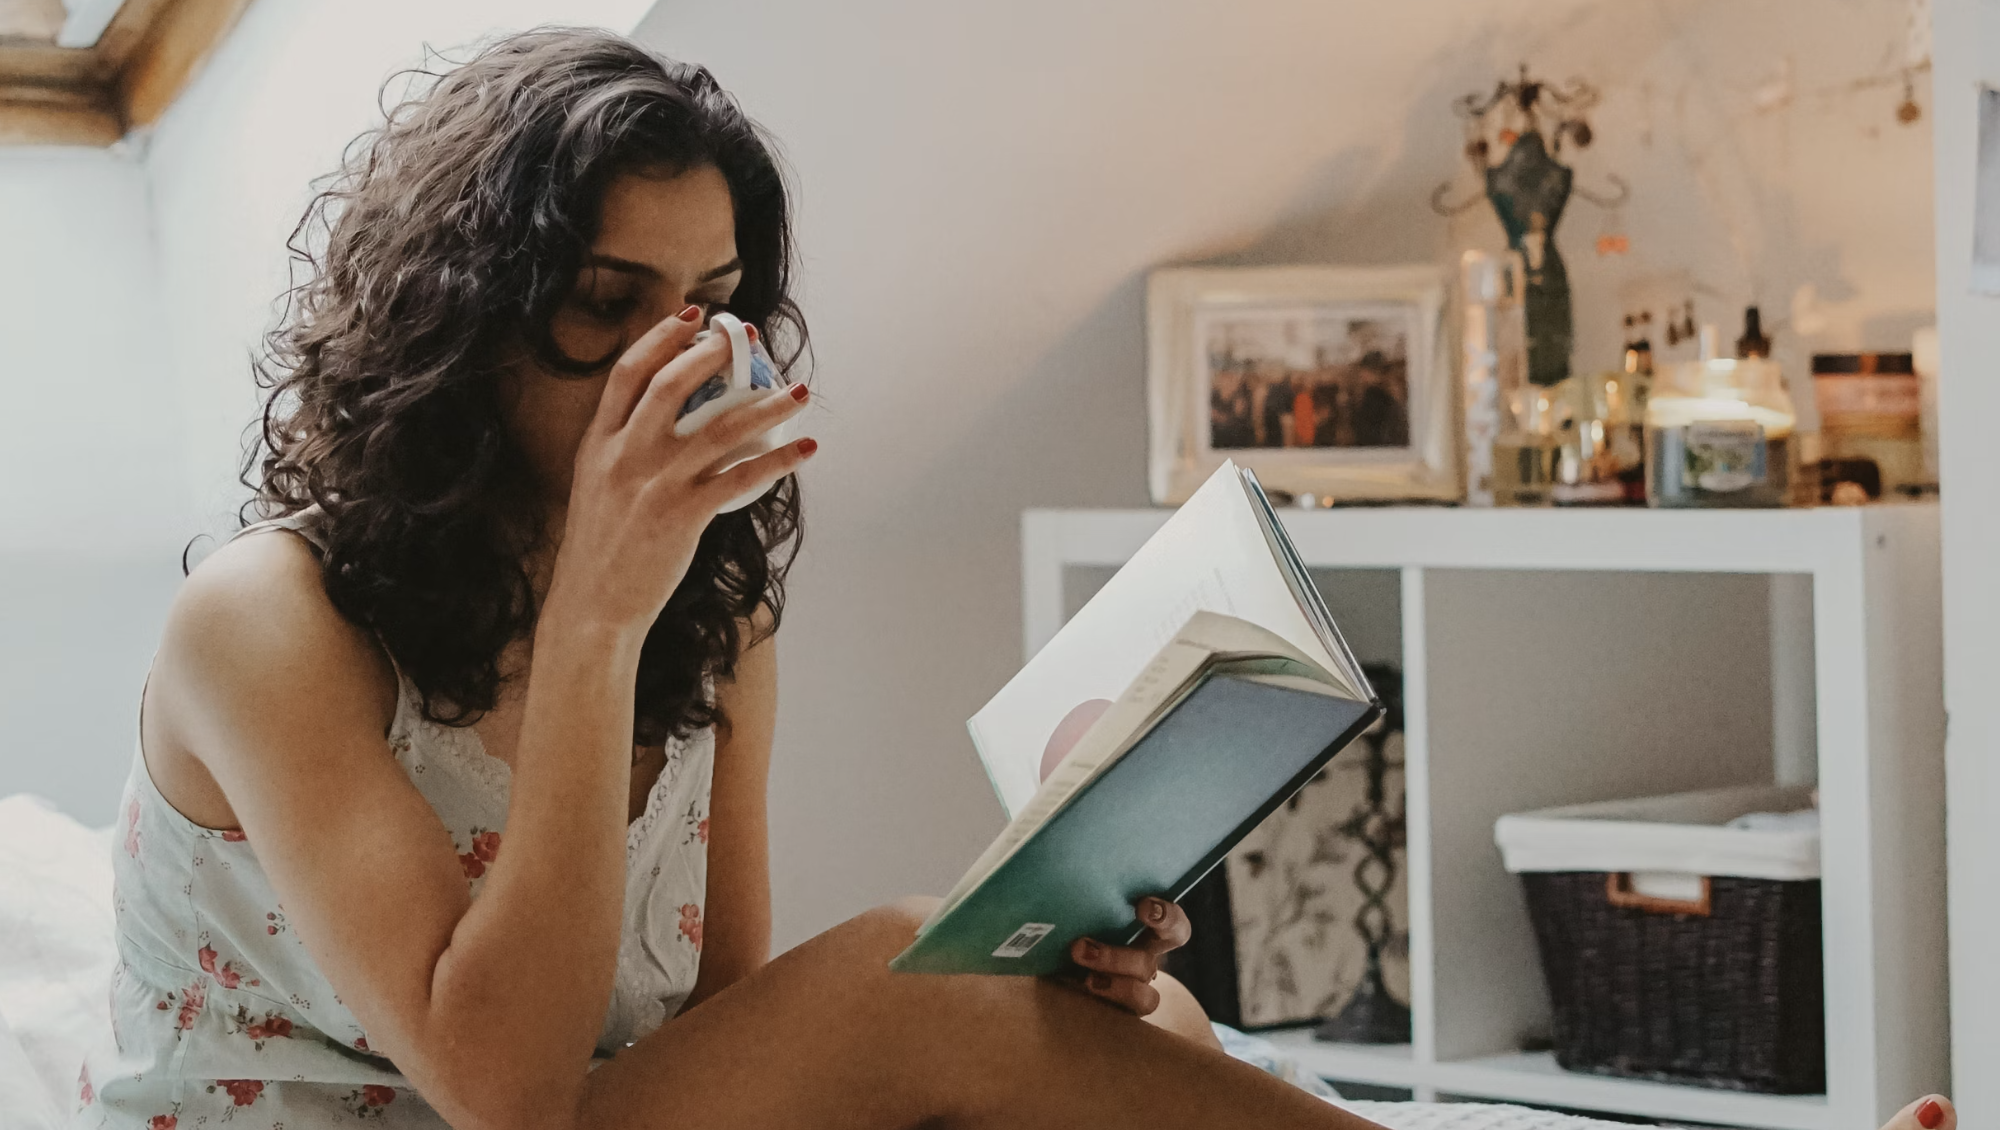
[736, 922]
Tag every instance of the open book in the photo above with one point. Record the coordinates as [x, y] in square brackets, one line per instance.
[1199, 689]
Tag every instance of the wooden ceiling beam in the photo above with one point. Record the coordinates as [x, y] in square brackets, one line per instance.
[163, 62]
[51, 123]
[94, 95]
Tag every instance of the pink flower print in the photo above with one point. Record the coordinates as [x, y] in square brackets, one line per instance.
[84, 1093]
[242, 1091]
[361, 1042]
[162, 1122]
[691, 924]
[272, 1026]
[233, 836]
[224, 973]
[701, 830]
[485, 849]
[369, 1100]
[192, 999]
[274, 922]
[132, 829]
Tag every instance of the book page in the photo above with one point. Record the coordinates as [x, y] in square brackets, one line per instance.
[1206, 642]
[1212, 555]
[1160, 685]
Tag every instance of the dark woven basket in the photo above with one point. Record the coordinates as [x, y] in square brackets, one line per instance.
[1733, 998]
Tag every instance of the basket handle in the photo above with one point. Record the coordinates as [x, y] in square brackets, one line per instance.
[1618, 892]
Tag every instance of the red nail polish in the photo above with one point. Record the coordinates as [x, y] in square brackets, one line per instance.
[799, 393]
[691, 314]
[1930, 1115]
[1091, 949]
[1100, 981]
[808, 445]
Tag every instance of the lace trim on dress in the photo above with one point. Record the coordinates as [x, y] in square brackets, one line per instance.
[656, 801]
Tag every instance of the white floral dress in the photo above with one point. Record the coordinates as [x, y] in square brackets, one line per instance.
[220, 1016]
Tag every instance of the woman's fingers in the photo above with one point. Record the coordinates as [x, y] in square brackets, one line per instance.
[669, 387]
[634, 369]
[1136, 997]
[746, 421]
[1168, 925]
[755, 476]
[1118, 961]
[1932, 1112]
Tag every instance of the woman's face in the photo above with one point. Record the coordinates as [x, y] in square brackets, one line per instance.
[664, 243]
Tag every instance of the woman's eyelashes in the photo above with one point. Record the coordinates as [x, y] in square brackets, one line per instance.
[610, 304]
[608, 309]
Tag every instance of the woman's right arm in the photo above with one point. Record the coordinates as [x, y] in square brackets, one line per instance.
[490, 1007]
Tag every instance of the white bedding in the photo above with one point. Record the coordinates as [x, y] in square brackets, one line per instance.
[57, 950]
[56, 953]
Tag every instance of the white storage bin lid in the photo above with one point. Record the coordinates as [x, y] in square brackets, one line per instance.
[1680, 834]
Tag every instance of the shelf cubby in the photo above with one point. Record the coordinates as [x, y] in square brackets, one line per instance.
[1557, 657]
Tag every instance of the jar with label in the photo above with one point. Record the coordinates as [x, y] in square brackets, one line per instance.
[1719, 434]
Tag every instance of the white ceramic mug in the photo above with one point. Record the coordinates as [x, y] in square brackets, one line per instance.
[752, 376]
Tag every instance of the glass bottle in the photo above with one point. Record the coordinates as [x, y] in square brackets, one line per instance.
[1510, 438]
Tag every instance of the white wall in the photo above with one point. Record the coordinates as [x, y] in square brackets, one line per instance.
[92, 517]
[985, 186]
[1968, 53]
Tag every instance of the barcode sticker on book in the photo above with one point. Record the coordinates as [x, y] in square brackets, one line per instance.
[1024, 939]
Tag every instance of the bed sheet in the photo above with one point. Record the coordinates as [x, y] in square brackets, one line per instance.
[56, 954]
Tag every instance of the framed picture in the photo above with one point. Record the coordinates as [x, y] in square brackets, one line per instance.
[1328, 381]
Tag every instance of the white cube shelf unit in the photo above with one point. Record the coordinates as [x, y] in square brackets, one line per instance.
[1561, 656]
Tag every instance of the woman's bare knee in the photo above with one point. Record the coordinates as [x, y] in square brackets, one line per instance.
[881, 933]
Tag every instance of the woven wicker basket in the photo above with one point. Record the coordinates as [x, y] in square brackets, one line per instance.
[1723, 991]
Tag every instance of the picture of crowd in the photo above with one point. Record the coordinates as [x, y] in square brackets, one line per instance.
[1312, 380]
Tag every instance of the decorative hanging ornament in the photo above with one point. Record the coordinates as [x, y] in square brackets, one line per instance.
[1529, 187]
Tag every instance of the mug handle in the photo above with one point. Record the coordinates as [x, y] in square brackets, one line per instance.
[739, 348]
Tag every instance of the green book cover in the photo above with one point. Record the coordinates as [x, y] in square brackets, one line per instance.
[1152, 822]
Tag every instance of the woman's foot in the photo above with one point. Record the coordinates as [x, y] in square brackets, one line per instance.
[1933, 1112]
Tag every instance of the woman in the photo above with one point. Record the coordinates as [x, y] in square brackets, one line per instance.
[449, 803]
[451, 778]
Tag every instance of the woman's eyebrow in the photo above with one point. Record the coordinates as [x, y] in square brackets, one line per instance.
[729, 268]
[614, 263]
[628, 266]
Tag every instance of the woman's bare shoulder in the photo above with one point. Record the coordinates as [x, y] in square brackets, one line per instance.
[253, 627]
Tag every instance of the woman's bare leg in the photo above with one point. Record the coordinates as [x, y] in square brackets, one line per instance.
[826, 1038]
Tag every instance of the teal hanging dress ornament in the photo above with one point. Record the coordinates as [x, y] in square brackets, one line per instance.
[1529, 188]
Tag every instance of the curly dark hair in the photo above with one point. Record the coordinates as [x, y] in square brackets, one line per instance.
[439, 251]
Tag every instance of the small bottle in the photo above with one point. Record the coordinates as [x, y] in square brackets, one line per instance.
[1753, 344]
[1638, 350]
